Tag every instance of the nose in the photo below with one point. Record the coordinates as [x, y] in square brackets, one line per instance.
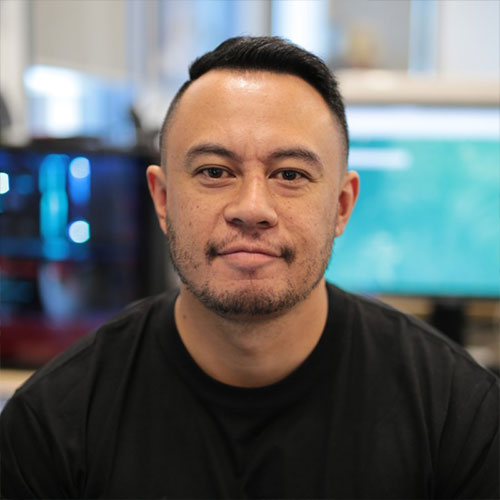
[252, 205]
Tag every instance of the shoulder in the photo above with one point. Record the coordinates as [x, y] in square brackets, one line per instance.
[413, 381]
[58, 416]
[75, 367]
[406, 345]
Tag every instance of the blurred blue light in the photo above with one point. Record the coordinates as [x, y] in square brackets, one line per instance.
[79, 231]
[64, 102]
[4, 183]
[53, 81]
[80, 167]
[53, 201]
[313, 35]
[55, 248]
[58, 94]
[52, 173]
[79, 180]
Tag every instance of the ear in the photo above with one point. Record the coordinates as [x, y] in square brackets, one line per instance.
[157, 184]
[348, 194]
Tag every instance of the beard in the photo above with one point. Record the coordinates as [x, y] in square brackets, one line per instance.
[252, 299]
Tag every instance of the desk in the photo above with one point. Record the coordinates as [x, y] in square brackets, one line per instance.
[10, 380]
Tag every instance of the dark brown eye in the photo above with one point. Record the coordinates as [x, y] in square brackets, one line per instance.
[289, 175]
[214, 172]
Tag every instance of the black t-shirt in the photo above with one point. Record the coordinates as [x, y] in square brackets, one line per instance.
[384, 407]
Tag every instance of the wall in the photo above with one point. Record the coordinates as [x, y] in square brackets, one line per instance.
[88, 35]
[374, 32]
[14, 57]
[84, 35]
[469, 38]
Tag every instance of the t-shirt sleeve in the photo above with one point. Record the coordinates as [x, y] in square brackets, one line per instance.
[469, 448]
[27, 454]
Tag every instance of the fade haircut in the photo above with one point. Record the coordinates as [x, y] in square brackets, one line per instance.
[265, 53]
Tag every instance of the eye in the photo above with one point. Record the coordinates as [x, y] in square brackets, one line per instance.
[290, 175]
[214, 176]
[213, 172]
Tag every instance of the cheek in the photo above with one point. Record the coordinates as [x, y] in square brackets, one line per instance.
[187, 218]
[191, 217]
[313, 222]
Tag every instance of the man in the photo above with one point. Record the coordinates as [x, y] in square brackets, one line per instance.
[256, 379]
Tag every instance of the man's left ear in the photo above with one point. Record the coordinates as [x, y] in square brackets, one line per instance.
[348, 194]
[157, 184]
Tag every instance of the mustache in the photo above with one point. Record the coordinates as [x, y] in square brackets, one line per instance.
[214, 248]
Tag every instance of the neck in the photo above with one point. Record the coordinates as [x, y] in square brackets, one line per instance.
[256, 352]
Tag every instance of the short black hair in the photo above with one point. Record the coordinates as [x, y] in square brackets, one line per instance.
[266, 53]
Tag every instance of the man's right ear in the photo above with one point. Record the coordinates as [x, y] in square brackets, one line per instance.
[157, 184]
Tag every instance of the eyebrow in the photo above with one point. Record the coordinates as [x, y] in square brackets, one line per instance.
[210, 148]
[297, 153]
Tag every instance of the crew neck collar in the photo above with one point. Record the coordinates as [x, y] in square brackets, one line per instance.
[323, 358]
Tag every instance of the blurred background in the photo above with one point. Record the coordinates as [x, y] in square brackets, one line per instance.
[84, 86]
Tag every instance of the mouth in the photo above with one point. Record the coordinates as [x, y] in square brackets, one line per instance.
[248, 257]
[249, 250]
[249, 253]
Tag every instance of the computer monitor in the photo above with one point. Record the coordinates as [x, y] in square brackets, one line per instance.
[73, 249]
[427, 219]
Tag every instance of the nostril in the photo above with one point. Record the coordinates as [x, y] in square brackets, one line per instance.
[240, 222]
[237, 221]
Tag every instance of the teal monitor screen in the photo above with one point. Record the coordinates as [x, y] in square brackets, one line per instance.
[427, 220]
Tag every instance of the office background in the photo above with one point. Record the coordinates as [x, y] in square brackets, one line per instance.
[84, 87]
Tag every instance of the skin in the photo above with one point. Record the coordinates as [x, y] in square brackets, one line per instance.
[253, 194]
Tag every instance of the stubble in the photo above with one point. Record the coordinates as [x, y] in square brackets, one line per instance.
[253, 299]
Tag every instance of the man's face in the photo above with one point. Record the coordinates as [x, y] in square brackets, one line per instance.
[254, 187]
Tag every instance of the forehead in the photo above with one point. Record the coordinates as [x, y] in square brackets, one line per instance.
[256, 106]
[264, 84]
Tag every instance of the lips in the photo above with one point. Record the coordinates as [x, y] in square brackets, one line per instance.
[248, 256]
[249, 250]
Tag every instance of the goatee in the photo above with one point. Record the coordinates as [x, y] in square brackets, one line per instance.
[254, 299]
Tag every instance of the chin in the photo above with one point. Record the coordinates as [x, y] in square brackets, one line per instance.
[250, 298]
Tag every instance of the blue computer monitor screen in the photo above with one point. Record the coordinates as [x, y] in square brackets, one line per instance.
[427, 218]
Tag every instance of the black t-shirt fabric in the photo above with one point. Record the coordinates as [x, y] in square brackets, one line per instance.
[384, 407]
